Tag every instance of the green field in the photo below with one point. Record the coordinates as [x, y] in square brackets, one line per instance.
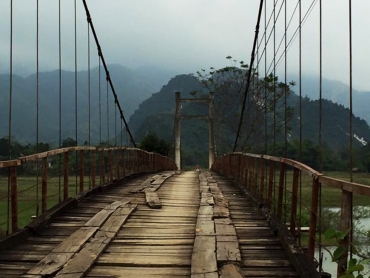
[30, 197]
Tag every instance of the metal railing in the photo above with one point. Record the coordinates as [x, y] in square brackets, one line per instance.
[282, 185]
[31, 185]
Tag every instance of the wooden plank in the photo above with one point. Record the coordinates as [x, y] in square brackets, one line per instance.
[84, 259]
[152, 200]
[116, 220]
[143, 260]
[142, 271]
[203, 259]
[75, 242]
[205, 227]
[228, 251]
[99, 218]
[220, 212]
[206, 275]
[231, 271]
[225, 230]
[51, 264]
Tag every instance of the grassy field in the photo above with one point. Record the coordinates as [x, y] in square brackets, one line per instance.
[30, 198]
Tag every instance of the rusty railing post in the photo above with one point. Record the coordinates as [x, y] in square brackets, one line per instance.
[345, 225]
[281, 190]
[123, 162]
[82, 170]
[93, 168]
[262, 180]
[14, 198]
[271, 184]
[118, 172]
[102, 167]
[293, 205]
[313, 218]
[110, 166]
[44, 185]
[66, 172]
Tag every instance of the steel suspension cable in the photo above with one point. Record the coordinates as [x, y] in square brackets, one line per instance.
[264, 83]
[100, 100]
[300, 112]
[320, 136]
[274, 110]
[89, 82]
[10, 108]
[285, 81]
[307, 14]
[60, 96]
[108, 123]
[76, 90]
[107, 72]
[249, 75]
[37, 105]
[265, 32]
[350, 120]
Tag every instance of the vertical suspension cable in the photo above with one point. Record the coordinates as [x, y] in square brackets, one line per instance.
[285, 81]
[89, 81]
[300, 113]
[108, 111]
[285, 103]
[320, 137]
[115, 125]
[320, 92]
[76, 108]
[99, 99]
[350, 120]
[37, 105]
[265, 91]
[274, 94]
[10, 108]
[60, 98]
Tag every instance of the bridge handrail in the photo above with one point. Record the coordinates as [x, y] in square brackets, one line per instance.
[101, 166]
[256, 173]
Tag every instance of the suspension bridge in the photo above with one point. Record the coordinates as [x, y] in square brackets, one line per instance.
[119, 211]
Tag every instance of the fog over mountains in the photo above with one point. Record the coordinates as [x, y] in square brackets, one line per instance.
[132, 87]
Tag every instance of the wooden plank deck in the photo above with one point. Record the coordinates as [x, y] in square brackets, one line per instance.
[204, 228]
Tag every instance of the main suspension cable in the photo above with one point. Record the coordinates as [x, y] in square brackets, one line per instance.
[107, 72]
[249, 76]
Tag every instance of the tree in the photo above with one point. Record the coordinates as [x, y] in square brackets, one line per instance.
[152, 143]
[265, 111]
[69, 142]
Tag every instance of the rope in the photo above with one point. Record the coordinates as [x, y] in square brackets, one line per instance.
[37, 103]
[249, 75]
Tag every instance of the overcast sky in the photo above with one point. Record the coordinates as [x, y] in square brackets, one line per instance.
[184, 35]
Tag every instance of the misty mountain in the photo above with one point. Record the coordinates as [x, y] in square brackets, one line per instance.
[337, 92]
[130, 87]
[156, 114]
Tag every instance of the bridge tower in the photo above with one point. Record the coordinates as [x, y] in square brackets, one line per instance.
[209, 117]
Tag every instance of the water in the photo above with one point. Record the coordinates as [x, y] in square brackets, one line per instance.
[331, 267]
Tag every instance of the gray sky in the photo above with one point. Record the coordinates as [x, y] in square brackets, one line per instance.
[184, 35]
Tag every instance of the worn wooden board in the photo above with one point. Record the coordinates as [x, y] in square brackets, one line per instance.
[228, 251]
[51, 264]
[204, 256]
[205, 227]
[231, 271]
[75, 241]
[225, 230]
[152, 200]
